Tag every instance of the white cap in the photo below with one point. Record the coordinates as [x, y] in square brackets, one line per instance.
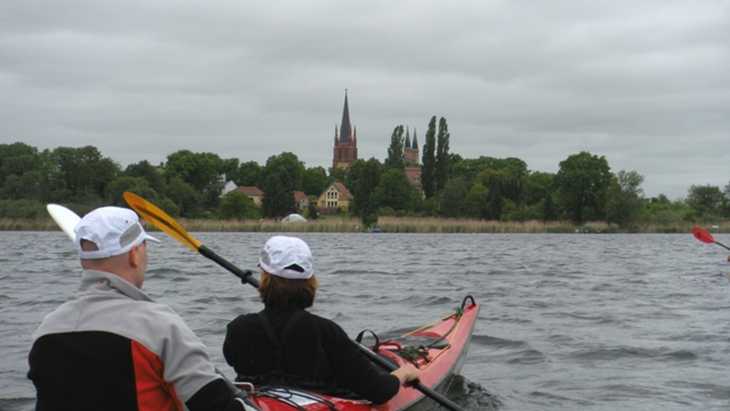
[114, 230]
[287, 257]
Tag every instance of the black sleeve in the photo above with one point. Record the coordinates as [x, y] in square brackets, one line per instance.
[215, 396]
[229, 344]
[355, 372]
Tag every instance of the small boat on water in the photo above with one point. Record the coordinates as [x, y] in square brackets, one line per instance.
[438, 350]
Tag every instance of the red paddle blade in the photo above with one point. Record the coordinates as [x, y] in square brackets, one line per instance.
[702, 235]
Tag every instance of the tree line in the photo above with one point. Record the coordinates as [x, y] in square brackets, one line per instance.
[189, 184]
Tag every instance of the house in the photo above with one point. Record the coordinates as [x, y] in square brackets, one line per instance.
[301, 200]
[335, 198]
[254, 193]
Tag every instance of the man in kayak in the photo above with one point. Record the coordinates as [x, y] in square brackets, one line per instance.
[113, 348]
[285, 345]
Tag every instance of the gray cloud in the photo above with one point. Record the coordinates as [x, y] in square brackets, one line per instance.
[645, 84]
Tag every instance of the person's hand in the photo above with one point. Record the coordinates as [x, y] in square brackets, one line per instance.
[407, 373]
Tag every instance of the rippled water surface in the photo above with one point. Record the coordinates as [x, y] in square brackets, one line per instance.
[568, 322]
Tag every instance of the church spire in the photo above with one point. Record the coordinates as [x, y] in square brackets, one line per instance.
[408, 137]
[415, 139]
[346, 127]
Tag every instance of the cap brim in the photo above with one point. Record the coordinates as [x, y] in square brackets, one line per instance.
[150, 238]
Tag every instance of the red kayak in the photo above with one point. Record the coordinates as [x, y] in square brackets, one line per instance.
[439, 354]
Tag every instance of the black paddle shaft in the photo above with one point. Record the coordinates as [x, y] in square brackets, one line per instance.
[441, 399]
[245, 276]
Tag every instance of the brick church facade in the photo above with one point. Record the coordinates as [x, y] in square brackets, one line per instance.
[345, 150]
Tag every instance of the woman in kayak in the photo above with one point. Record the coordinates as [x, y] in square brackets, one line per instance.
[285, 345]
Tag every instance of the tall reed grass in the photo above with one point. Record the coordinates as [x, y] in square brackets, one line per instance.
[386, 224]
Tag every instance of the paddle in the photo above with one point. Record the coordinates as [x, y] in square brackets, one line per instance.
[65, 218]
[705, 236]
[160, 219]
[164, 222]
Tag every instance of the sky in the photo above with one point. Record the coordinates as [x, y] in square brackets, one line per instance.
[645, 84]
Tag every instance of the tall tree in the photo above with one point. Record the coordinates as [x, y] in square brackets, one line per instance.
[147, 171]
[705, 200]
[395, 191]
[363, 178]
[249, 174]
[625, 198]
[395, 150]
[84, 171]
[442, 155]
[203, 171]
[314, 181]
[582, 183]
[428, 169]
[281, 176]
[452, 197]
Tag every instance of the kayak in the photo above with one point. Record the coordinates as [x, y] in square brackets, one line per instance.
[438, 350]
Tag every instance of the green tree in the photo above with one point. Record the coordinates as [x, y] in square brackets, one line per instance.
[137, 185]
[452, 197]
[428, 169]
[237, 205]
[706, 200]
[84, 171]
[17, 159]
[315, 181]
[476, 201]
[625, 198]
[442, 155]
[281, 176]
[582, 183]
[149, 172]
[395, 191]
[185, 197]
[363, 179]
[538, 186]
[249, 174]
[395, 150]
[203, 171]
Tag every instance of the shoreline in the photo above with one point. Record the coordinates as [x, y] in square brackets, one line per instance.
[332, 224]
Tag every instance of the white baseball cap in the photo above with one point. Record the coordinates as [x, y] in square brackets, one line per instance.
[114, 231]
[287, 257]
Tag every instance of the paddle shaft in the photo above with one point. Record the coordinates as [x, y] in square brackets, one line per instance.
[245, 276]
[384, 363]
[722, 245]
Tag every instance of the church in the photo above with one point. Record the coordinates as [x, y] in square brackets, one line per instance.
[345, 148]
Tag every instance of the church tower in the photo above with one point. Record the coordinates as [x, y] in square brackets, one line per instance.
[410, 157]
[345, 150]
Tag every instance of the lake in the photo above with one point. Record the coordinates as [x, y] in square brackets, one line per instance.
[568, 321]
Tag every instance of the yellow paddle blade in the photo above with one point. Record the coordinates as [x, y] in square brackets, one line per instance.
[160, 219]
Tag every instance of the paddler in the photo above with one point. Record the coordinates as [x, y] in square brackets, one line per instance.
[286, 345]
[111, 347]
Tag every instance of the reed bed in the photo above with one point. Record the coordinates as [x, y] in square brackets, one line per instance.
[389, 224]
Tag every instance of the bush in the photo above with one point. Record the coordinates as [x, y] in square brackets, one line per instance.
[22, 209]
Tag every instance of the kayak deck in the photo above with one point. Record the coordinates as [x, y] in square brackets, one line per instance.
[440, 354]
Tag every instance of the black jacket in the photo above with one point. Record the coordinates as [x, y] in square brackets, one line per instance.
[315, 352]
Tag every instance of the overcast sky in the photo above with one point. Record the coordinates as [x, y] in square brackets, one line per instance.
[644, 83]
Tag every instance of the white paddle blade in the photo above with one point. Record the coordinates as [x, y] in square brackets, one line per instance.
[65, 218]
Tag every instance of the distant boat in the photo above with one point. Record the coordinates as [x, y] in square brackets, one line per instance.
[375, 229]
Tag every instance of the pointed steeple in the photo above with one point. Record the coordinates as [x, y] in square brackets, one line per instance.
[336, 137]
[408, 138]
[346, 127]
[415, 140]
